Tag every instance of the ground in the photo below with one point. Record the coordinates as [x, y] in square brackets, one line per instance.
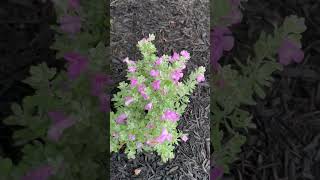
[177, 25]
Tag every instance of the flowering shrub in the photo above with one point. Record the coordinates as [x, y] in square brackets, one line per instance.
[235, 86]
[63, 125]
[150, 105]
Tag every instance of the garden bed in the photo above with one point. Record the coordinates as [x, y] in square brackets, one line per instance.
[178, 25]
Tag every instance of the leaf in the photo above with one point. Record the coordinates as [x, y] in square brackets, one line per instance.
[294, 24]
[6, 166]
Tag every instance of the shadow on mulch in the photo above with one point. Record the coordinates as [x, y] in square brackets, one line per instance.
[286, 143]
[177, 25]
[25, 40]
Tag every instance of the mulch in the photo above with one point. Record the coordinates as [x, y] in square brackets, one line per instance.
[286, 142]
[177, 25]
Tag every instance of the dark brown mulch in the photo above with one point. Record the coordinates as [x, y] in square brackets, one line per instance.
[24, 41]
[286, 143]
[177, 25]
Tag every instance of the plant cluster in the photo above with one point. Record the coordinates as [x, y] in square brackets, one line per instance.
[150, 105]
[62, 126]
[236, 86]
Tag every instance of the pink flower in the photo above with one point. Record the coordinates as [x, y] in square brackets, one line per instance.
[165, 136]
[132, 137]
[159, 61]
[148, 106]
[41, 173]
[184, 138]
[70, 24]
[154, 73]
[174, 57]
[141, 90]
[132, 69]
[122, 119]
[185, 54]
[290, 51]
[133, 82]
[176, 75]
[74, 4]
[60, 123]
[156, 85]
[170, 116]
[128, 100]
[200, 78]
[77, 64]
[98, 83]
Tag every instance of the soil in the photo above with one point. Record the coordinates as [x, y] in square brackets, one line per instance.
[25, 40]
[177, 25]
[286, 143]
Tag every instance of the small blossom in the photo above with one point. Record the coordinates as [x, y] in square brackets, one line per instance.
[170, 116]
[165, 136]
[128, 100]
[159, 61]
[132, 69]
[156, 85]
[129, 62]
[41, 173]
[132, 137]
[174, 57]
[60, 123]
[200, 78]
[139, 146]
[122, 119]
[148, 106]
[185, 54]
[154, 73]
[70, 24]
[184, 138]
[290, 51]
[77, 64]
[176, 75]
[152, 37]
[221, 40]
[141, 89]
[133, 82]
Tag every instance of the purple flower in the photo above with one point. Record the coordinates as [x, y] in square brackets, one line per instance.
[139, 145]
[154, 73]
[41, 173]
[74, 4]
[222, 40]
[122, 119]
[184, 138]
[132, 137]
[176, 75]
[141, 89]
[77, 64]
[133, 82]
[148, 106]
[290, 51]
[170, 116]
[216, 173]
[98, 83]
[159, 61]
[185, 54]
[132, 69]
[70, 24]
[200, 78]
[174, 57]
[165, 136]
[128, 100]
[156, 85]
[60, 123]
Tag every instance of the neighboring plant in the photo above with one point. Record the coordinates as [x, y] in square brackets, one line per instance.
[235, 86]
[62, 126]
[149, 107]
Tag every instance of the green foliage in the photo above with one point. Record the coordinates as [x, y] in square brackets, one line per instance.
[243, 83]
[176, 99]
[81, 152]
